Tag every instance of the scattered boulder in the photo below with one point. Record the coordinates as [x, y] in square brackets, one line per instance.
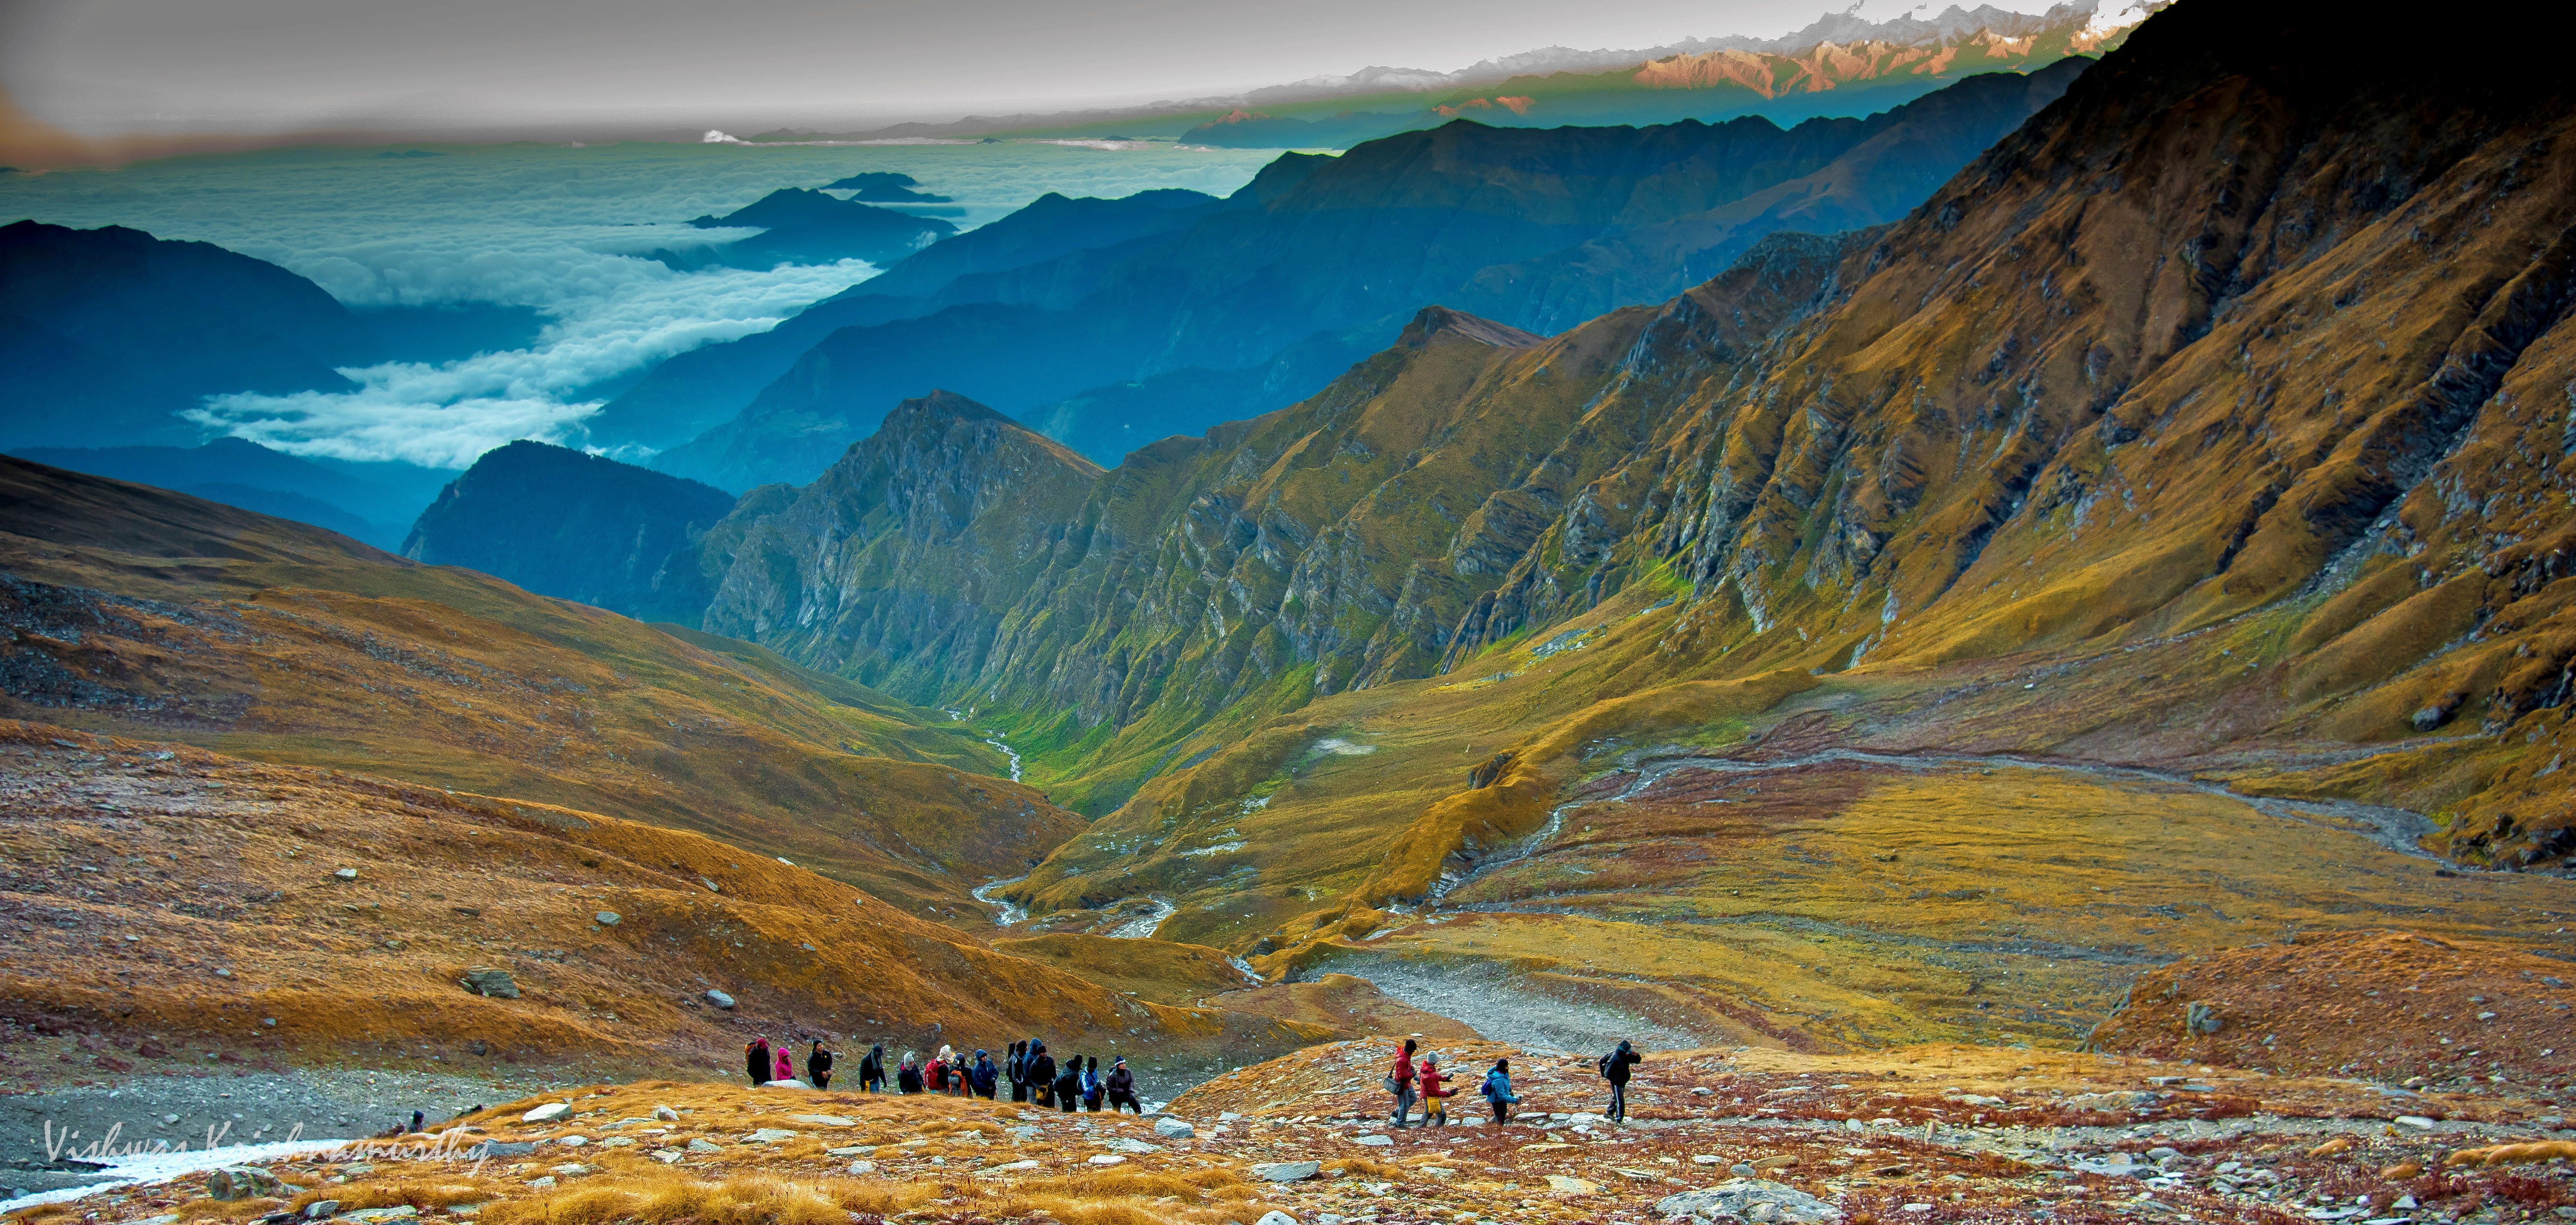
[1744, 1197]
[862, 1168]
[1275, 1217]
[666, 1114]
[345, 874]
[823, 1120]
[701, 1144]
[484, 980]
[2201, 1020]
[1571, 1185]
[1105, 1159]
[547, 1113]
[1374, 1140]
[241, 1182]
[769, 1135]
[605, 918]
[321, 1209]
[1287, 1171]
[719, 998]
[1171, 1128]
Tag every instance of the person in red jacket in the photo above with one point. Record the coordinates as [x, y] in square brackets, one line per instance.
[1399, 1081]
[1435, 1100]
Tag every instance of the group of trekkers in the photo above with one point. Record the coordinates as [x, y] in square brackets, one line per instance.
[1418, 1079]
[1033, 1074]
[1077, 1084]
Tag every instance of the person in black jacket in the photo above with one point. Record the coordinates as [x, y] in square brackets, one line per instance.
[1068, 1085]
[1016, 1066]
[1120, 1087]
[1041, 1074]
[983, 1076]
[872, 1070]
[1614, 1068]
[907, 1078]
[818, 1066]
[756, 1058]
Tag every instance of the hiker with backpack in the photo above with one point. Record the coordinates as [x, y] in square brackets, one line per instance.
[1614, 1068]
[1399, 1081]
[1498, 1090]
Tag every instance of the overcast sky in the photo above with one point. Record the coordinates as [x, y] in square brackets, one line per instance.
[101, 67]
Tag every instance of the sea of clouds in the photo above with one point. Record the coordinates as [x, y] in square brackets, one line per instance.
[559, 229]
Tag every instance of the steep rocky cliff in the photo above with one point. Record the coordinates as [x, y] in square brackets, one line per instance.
[901, 562]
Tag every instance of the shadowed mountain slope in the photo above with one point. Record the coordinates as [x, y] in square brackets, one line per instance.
[1333, 255]
[693, 392]
[615, 535]
[109, 334]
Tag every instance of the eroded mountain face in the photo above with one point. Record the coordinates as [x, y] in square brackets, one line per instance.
[2208, 428]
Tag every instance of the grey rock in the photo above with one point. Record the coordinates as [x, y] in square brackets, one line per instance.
[321, 1208]
[241, 1182]
[1275, 1217]
[1744, 1197]
[1287, 1171]
[2201, 1020]
[502, 1148]
[703, 1145]
[770, 1135]
[484, 980]
[862, 1168]
[547, 1113]
[666, 1114]
[719, 998]
[1171, 1128]
[605, 918]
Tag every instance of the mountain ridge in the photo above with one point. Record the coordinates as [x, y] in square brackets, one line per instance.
[1237, 286]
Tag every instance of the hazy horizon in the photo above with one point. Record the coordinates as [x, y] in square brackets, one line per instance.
[590, 69]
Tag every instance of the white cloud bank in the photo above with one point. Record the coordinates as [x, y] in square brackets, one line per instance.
[555, 228]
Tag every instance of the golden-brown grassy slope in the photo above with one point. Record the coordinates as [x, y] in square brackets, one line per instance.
[143, 611]
[2028, 443]
[2218, 340]
[1768, 896]
[2383, 1004]
[175, 894]
[1913, 1136]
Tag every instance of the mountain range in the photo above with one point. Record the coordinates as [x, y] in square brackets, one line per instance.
[1840, 64]
[1860, 584]
[2176, 485]
[1219, 309]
